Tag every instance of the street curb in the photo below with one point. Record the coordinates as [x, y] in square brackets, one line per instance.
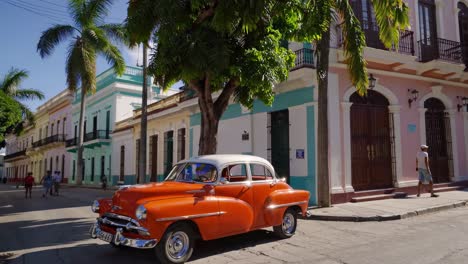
[381, 218]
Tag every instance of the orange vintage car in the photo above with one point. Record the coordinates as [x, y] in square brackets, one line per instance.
[206, 197]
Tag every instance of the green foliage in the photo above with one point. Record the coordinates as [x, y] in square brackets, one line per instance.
[10, 115]
[89, 37]
[210, 44]
[10, 87]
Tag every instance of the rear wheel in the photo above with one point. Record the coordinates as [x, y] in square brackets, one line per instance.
[176, 245]
[288, 226]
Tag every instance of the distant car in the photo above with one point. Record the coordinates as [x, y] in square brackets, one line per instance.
[206, 197]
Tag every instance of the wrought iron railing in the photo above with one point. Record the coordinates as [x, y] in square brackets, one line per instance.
[406, 43]
[15, 155]
[49, 140]
[304, 59]
[71, 142]
[439, 48]
[97, 134]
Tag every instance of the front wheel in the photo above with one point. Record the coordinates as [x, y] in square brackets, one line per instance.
[288, 226]
[176, 245]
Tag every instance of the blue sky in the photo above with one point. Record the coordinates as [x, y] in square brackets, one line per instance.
[21, 24]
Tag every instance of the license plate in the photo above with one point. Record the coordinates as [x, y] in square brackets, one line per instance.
[105, 236]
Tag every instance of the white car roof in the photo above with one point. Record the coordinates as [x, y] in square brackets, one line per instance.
[220, 160]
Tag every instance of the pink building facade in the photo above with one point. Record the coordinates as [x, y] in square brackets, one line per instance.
[420, 97]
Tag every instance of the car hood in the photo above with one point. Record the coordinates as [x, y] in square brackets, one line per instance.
[128, 198]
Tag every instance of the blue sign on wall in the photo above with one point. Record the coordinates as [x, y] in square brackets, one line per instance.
[411, 128]
[300, 153]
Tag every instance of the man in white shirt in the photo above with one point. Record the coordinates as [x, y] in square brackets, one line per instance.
[57, 179]
[422, 166]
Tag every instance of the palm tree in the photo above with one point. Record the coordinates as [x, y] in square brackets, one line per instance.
[391, 17]
[89, 37]
[10, 86]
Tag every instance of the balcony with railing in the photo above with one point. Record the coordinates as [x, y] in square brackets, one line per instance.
[15, 155]
[97, 138]
[59, 138]
[72, 142]
[304, 59]
[440, 49]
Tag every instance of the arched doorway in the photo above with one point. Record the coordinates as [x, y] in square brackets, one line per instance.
[438, 138]
[371, 152]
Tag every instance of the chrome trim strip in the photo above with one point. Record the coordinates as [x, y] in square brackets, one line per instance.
[175, 218]
[122, 217]
[275, 206]
[120, 239]
[196, 191]
[127, 226]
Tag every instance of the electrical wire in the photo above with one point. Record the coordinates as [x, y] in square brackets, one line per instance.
[41, 14]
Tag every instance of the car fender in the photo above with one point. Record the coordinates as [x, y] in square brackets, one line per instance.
[203, 211]
[280, 200]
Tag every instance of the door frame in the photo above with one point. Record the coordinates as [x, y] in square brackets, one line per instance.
[452, 112]
[394, 109]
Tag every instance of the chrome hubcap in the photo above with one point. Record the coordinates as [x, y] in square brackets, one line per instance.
[177, 246]
[288, 223]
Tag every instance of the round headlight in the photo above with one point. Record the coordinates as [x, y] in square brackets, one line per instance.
[140, 212]
[95, 206]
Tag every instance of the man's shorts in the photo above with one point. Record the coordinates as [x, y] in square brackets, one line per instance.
[424, 176]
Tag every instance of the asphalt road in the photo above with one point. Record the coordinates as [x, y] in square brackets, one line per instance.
[55, 230]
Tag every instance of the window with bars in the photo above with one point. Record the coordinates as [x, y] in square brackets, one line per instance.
[181, 144]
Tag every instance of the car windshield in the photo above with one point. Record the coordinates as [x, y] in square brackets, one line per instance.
[193, 172]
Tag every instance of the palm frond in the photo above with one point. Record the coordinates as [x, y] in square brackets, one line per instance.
[88, 72]
[76, 10]
[96, 10]
[27, 113]
[29, 94]
[97, 38]
[354, 43]
[51, 37]
[392, 17]
[116, 32]
[12, 80]
[73, 65]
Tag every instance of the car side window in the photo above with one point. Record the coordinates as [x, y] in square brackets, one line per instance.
[234, 173]
[260, 172]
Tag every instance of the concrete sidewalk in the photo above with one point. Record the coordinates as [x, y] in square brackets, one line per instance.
[391, 209]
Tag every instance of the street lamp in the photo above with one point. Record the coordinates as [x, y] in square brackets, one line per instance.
[372, 81]
[462, 101]
[413, 96]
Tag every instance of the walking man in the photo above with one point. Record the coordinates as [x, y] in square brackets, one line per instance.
[57, 180]
[425, 175]
[28, 184]
[47, 183]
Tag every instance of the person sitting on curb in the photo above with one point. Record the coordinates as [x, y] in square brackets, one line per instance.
[425, 175]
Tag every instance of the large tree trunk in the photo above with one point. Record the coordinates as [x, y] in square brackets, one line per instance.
[323, 179]
[211, 112]
[143, 124]
[81, 133]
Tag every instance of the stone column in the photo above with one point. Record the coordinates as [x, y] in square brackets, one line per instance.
[422, 125]
[346, 112]
[395, 111]
[334, 133]
[465, 124]
[453, 130]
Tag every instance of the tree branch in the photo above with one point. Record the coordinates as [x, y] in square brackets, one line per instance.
[207, 12]
[223, 100]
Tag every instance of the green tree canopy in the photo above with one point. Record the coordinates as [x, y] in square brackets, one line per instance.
[10, 116]
[228, 46]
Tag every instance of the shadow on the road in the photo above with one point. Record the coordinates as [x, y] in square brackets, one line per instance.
[12, 201]
[45, 233]
[105, 253]
[204, 249]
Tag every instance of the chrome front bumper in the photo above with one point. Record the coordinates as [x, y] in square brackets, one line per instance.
[120, 240]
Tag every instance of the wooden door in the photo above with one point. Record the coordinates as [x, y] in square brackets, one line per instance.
[437, 138]
[370, 142]
[280, 143]
[428, 30]
[154, 158]
[463, 27]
